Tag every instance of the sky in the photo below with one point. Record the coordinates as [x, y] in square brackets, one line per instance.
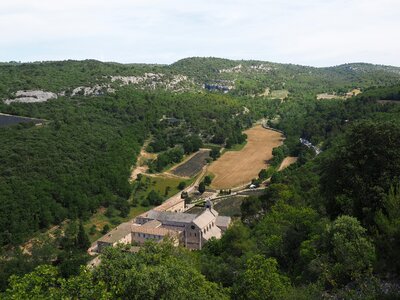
[307, 32]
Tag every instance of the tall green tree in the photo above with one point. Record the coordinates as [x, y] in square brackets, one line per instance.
[361, 169]
[82, 238]
[202, 187]
[347, 254]
[261, 280]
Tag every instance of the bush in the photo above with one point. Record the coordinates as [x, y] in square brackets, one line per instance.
[181, 185]
[207, 180]
[154, 198]
[105, 229]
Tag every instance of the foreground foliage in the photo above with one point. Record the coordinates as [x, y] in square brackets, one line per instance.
[155, 272]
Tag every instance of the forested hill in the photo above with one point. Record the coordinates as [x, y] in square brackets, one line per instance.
[327, 225]
[193, 74]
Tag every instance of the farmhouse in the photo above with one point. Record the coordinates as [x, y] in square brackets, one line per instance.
[190, 230]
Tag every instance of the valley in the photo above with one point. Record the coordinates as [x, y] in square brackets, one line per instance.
[120, 140]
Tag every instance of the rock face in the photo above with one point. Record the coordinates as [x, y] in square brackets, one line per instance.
[152, 81]
[260, 68]
[31, 97]
[156, 80]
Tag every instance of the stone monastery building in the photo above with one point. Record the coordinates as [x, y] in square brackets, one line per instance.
[189, 230]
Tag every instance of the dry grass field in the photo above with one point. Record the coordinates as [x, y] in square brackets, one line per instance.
[236, 168]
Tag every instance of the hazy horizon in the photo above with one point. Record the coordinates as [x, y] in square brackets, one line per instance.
[167, 64]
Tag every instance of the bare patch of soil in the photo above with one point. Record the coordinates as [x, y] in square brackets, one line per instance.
[287, 162]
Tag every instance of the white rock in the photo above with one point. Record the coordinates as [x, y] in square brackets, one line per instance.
[31, 97]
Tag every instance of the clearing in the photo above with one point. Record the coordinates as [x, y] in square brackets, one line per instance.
[279, 94]
[327, 96]
[330, 96]
[274, 94]
[287, 162]
[237, 168]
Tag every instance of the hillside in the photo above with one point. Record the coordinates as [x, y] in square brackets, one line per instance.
[191, 74]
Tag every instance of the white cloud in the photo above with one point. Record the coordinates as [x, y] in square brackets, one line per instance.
[322, 32]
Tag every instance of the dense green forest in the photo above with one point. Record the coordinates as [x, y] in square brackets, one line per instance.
[328, 225]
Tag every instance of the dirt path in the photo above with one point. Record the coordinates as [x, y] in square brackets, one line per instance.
[237, 168]
[141, 162]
